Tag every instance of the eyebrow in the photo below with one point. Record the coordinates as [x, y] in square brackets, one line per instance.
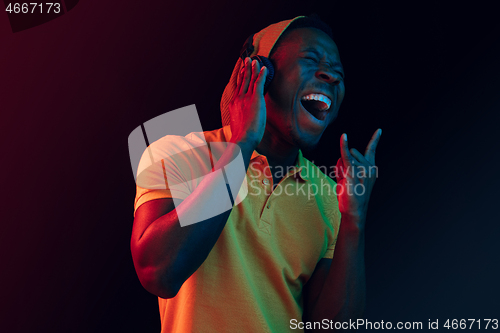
[333, 64]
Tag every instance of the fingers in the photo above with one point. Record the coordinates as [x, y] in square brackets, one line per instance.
[251, 77]
[255, 68]
[258, 86]
[245, 75]
[251, 74]
[339, 170]
[239, 79]
[344, 152]
[359, 159]
[372, 146]
[362, 165]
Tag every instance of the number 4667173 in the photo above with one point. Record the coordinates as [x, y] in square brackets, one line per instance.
[33, 7]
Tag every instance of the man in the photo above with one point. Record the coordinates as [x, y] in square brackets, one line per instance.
[268, 264]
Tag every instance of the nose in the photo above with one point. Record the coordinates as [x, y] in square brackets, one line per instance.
[327, 75]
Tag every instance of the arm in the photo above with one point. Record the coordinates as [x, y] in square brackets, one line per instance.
[165, 254]
[337, 289]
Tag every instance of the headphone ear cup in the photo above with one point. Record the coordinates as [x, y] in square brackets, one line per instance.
[270, 70]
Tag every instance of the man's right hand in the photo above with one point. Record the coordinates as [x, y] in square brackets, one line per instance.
[248, 107]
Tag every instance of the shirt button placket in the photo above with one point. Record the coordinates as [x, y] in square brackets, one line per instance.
[266, 182]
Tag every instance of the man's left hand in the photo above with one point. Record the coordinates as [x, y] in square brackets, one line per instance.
[356, 175]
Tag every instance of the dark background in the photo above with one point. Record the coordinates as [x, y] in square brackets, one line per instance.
[72, 89]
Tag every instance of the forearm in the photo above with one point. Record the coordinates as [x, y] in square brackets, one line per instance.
[168, 253]
[337, 289]
[344, 291]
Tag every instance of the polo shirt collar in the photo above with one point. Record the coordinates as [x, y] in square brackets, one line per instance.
[300, 168]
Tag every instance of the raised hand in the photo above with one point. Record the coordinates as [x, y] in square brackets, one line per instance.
[248, 107]
[356, 175]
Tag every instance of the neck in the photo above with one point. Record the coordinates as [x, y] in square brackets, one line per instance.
[279, 153]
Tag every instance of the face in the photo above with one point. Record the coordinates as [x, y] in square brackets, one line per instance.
[307, 89]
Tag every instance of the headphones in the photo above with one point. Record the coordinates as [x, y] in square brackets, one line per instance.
[247, 49]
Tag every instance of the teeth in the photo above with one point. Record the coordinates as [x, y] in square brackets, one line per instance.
[321, 98]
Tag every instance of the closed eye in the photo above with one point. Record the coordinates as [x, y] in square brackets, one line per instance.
[311, 58]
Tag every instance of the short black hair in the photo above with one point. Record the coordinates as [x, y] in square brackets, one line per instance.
[311, 21]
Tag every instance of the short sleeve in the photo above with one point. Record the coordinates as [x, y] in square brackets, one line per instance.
[335, 218]
[154, 184]
[144, 195]
[167, 169]
[331, 249]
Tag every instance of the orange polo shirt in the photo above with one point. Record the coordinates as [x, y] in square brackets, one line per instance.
[252, 279]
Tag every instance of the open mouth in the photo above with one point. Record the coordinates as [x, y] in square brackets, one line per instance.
[316, 104]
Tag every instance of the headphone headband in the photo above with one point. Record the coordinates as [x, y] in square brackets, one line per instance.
[247, 50]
